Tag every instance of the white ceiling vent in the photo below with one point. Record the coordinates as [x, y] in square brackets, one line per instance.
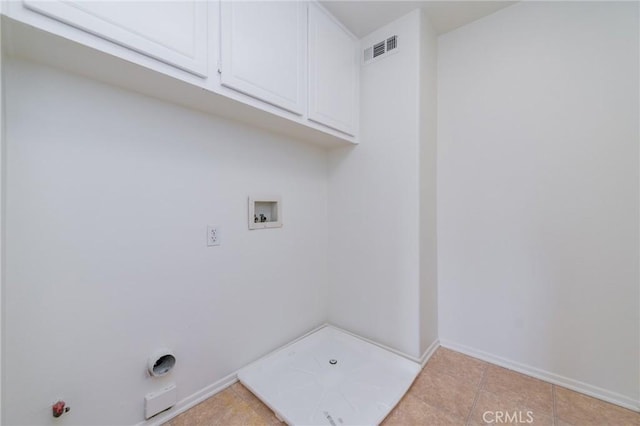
[381, 49]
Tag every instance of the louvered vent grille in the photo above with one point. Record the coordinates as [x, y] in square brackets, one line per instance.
[392, 43]
[380, 48]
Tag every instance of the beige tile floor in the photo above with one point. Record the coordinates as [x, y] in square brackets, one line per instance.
[452, 389]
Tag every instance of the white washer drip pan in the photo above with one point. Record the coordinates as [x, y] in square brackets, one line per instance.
[330, 378]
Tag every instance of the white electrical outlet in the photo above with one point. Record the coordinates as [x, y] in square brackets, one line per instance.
[213, 236]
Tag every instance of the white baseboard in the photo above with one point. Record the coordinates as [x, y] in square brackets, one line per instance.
[575, 385]
[380, 345]
[422, 360]
[429, 352]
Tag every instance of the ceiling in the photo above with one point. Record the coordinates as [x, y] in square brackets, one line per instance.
[363, 17]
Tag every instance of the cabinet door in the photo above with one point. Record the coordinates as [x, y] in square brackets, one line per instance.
[333, 73]
[174, 32]
[263, 50]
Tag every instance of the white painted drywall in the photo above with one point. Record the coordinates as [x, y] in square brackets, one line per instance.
[538, 190]
[108, 197]
[374, 201]
[2, 144]
[428, 84]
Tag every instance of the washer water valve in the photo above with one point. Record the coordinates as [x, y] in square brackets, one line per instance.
[59, 408]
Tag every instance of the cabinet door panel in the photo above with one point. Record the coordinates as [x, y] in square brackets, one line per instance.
[263, 50]
[333, 73]
[174, 32]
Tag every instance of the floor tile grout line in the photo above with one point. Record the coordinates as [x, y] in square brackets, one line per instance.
[485, 367]
[456, 377]
[434, 406]
[475, 400]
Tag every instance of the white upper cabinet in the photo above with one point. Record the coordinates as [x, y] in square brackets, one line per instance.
[174, 32]
[282, 65]
[263, 51]
[333, 73]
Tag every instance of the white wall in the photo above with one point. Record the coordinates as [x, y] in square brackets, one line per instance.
[428, 84]
[538, 191]
[374, 205]
[108, 196]
[2, 139]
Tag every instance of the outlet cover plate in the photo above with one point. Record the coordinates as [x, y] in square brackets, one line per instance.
[213, 235]
[157, 402]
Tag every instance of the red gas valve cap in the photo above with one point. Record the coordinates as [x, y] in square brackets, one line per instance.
[59, 408]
